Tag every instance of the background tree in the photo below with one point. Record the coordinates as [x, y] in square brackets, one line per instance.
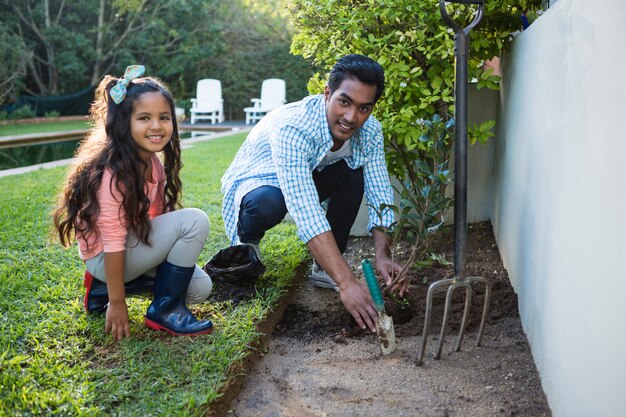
[410, 40]
[60, 46]
[257, 35]
[72, 45]
[13, 69]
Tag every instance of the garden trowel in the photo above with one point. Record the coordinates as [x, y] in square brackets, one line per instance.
[384, 328]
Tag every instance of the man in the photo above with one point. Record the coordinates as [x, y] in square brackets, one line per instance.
[326, 147]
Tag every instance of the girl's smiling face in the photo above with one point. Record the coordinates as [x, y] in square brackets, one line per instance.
[151, 124]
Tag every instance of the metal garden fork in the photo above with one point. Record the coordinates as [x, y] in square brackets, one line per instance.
[461, 52]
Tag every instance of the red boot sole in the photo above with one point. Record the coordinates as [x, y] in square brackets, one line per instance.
[156, 326]
[87, 280]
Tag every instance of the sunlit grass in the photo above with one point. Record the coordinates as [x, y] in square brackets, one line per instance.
[56, 360]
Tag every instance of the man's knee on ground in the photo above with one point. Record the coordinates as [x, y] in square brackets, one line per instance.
[265, 203]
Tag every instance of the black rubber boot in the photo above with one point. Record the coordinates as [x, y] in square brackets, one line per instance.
[168, 310]
[97, 296]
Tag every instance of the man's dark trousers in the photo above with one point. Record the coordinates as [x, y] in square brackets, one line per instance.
[264, 207]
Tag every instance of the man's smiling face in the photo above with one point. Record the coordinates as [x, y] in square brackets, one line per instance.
[347, 108]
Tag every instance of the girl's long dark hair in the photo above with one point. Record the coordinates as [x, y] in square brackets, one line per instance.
[109, 145]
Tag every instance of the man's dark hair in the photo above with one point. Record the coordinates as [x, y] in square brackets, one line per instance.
[358, 67]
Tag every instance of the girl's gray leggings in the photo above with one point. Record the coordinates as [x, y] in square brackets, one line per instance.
[177, 237]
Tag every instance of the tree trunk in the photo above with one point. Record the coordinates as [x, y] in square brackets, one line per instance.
[53, 73]
[96, 73]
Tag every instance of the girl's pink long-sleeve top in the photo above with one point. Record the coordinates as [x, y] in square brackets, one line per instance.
[111, 231]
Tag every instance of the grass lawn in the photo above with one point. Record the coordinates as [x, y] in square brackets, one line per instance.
[56, 360]
[11, 129]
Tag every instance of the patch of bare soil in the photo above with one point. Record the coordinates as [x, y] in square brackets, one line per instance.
[319, 363]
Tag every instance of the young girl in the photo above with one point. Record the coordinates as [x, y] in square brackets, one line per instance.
[120, 202]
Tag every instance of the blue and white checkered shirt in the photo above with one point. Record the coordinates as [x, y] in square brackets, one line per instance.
[285, 147]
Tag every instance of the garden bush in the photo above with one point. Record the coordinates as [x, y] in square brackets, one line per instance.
[410, 40]
[24, 112]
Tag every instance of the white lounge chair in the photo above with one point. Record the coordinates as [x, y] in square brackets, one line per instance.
[273, 95]
[208, 104]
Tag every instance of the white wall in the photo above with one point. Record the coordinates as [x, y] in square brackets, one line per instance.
[482, 106]
[559, 202]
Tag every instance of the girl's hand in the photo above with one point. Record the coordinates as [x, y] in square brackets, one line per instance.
[117, 320]
[117, 313]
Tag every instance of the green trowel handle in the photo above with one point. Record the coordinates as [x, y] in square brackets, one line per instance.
[372, 283]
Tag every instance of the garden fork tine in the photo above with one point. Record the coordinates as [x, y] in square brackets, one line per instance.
[446, 315]
[453, 284]
[429, 308]
[483, 319]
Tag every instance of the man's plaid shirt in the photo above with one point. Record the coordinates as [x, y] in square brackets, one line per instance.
[285, 147]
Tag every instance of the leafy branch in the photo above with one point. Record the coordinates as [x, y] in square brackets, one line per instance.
[421, 190]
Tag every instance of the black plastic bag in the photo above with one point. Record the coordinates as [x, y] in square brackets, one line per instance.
[234, 272]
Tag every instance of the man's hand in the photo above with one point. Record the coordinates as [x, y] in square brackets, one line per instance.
[390, 271]
[356, 298]
[354, 294]
[117, 320]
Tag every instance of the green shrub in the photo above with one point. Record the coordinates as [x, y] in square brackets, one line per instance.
[24, 112]
[184, 104]
[409, 39]
[423, 201]
[52, 113]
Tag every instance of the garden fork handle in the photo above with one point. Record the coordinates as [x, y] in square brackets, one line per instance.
[461, 53]
[453, 24]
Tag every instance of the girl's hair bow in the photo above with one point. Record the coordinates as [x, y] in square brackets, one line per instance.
[118, 92]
